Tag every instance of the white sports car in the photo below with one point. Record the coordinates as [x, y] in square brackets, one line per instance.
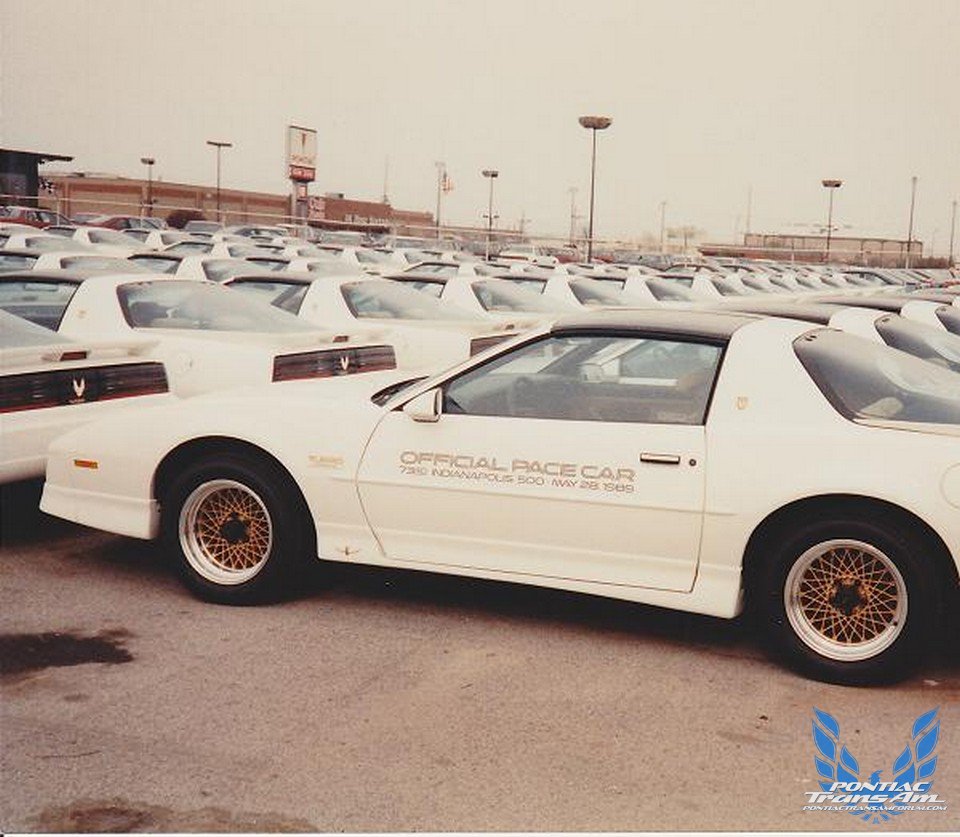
[208, 336]
[49, 385]
[426, 334]
[690, 460]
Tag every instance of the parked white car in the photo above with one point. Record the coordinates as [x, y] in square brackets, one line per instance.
[691, 460]
[208, 336]
[426, 334]
[49, 385]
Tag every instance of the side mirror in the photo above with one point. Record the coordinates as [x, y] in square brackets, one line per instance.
[425, 407]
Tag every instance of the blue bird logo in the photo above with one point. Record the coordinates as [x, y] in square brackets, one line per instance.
[875, 801]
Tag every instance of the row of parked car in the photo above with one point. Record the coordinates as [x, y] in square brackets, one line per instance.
[706, 437]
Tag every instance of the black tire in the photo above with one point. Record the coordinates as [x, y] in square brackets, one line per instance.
[238, 528]
[846, 601]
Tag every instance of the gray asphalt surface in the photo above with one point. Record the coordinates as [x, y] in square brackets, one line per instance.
[391, 701]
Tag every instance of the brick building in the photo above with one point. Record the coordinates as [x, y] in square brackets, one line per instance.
[74, 193]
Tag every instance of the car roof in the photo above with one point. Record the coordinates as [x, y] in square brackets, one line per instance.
[880, 303]
[813, 312]
[710, 325]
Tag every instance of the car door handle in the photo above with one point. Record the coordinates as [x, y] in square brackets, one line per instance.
[660, 458]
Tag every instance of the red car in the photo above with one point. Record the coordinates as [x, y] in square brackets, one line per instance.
[31, 216]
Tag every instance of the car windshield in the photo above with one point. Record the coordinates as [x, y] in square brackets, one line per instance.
[190, 247]
[156, 264]
[288, 296]
[950, 317]
[921, 340]
[16, 332]
[103, 264]
[109, 237]
[590, 292]
[333, 267]
[365, 256]
[427, 286]
[41, 301]
[384, 299]
[16, 261]
[871, 381]
[666, 290]
[537, 286]
[54, 244]
[498, 295]
[182, 304]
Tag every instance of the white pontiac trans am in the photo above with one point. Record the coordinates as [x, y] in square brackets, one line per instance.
[693, 460]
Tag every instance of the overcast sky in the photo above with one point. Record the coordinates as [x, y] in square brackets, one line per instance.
[709, 101]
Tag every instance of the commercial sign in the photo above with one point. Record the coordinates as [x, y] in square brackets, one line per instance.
[301, 153]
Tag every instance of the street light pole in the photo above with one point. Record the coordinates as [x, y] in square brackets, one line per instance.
[219, 146]
[441, 175]
[831, 186]
[148, 162]
[573, 215]
[913, 198]
[594, 124]
[491, 175]
[953, 230]
[663, 216]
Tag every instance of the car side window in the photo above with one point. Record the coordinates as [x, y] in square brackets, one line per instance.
[601, 377]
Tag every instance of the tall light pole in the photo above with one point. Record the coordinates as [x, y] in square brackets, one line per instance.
[953, 230]
[491, 175]
[831, 186]
[663, 217]
[594, 124]
[913, 199]
[148, 162]
[441, 178]
[573, 215]
[219, 146]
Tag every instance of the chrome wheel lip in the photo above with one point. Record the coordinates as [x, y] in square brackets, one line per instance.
[197, 555]
[814, 638]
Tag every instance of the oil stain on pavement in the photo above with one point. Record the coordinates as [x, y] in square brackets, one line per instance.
[24, 653]
[119, 815]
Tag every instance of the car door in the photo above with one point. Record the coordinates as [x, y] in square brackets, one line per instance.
[573, 456]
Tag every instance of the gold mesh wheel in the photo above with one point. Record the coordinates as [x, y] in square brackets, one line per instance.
[846, 600]
[226, 532]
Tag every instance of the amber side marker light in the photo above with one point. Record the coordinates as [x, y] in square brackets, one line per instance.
[92, 464]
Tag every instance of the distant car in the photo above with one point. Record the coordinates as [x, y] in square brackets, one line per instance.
[43, 242]
[156, 239]
[689, 460]
[119, 222]
[496, 299]
[31, 216]
[202, 226]
[214, 268]
[49, 385]
[210, 337]
[922, 340]
[425, 333]
[103, 239]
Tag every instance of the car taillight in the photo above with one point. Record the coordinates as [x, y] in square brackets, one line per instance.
[133, 379]
[58, 387]
[479, 344]
[328, 363]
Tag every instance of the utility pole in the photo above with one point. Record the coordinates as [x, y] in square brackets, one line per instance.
[219, 146]
[749, 207]
[913, 198]
[573, 215]
[953, 230]
[663, 228]
[441, 175]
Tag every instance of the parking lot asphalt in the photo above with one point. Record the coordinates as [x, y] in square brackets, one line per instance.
[382, 700]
